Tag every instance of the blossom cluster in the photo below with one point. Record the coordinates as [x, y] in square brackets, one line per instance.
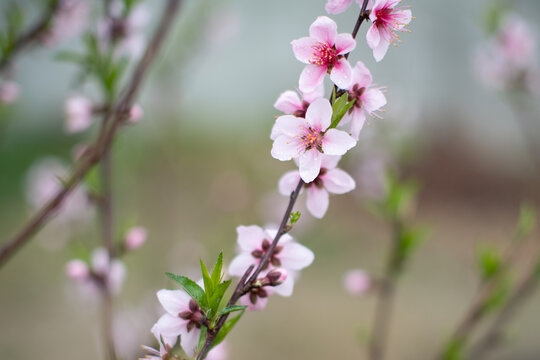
[315, 133]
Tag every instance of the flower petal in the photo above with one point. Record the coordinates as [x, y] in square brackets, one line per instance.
[345, 43]
[319, 114]
[330, 161]
[287, 287]
[174, 301]
[341, 74]
[373, 37]
[295, 256]
[361, 75]
[317, 201]
[323, 29]
[288, 102]
[337, 6]
[288, 182]
[337, 142]
[189, 340]
[285, 148]
[311, 77]
[338, 181]
[373, 99]
[259, 304]
[380, 50]
[169, 325]
[309, 165]
[250, 237]
[311, 96]
[358, 118]
[240, 264]
[287, 125]
[303, 49]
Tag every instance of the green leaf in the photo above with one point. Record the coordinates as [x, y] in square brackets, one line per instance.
[191, 287]
[217, 271]
[219, 291]
[232, 308]
[339, 109]
[208, 284]
[489, 262]
[295, 216]
[454, 350]
[202, 337]
[227, 327]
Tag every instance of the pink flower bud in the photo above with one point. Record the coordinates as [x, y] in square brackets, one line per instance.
[276, 277]
[77, 270]
[135, 238]
[78, 112]
[356, 282]
[9, 92]
[135, 114]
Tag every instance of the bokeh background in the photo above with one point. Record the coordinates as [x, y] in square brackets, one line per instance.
[199, 164]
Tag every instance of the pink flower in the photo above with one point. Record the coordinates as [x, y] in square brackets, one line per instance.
[165, 347]
[368, 99]
[219, 352]
[77, 270]
[329, 180]
[9, 92]
[135, 114]
[135, 238]
[324, 52]
[290, 104]
[356, 282]
[386, 19]
[339, 6]
[70, 21]
[111, 271]
[78, 110]
[308, 139]
[184, 318]
[278, 281]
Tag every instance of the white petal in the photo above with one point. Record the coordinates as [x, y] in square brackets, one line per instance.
[317, 201]
[174, 301]
[241, 263]
[337, 142]
[310, 165]
[288, 102]
[285, 148]
[250, 237]
[295, 256]
[330, 161]
[169, 325]
[287, 287]
[338, 181]
[288, 182]
[189, 340]
[287, 125]
[319, 114]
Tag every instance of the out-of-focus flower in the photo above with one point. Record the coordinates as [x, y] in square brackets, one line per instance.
[290, 104]
[339, 6]
[324, 52]
[308, 139]
[507, 60]
[356, 282]
[164, 351]
[329, 180]
[387, 19]
[184, 318]
[135, 238]
[135, 114]
[368, 99]
[371, 177]
[9, 92]
[78, 110]
[70, 21]
[220, 352]
[77, 270]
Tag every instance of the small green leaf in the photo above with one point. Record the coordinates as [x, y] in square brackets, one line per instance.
[208, 284]
[489, 262]
[339, 109]
[454, 350]
[191, 287]
[219, 291]
[295, 216]
[527, 221]
[232, 308]
[227, 327]
[202, 337]
[217, 271]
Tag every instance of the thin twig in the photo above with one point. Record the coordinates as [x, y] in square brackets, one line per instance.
[103, 142]
[32, 35]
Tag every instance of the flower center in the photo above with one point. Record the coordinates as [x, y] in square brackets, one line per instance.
[312, 138]
[389, 21]
[194, 315]
[259, 253]
[318, 182]
[356, 94]
[323, 54]
[302, 112]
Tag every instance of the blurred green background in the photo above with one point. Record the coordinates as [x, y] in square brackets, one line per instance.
[199, 164]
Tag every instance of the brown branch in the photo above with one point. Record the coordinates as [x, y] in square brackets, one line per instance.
[32, 35]
[99, 148]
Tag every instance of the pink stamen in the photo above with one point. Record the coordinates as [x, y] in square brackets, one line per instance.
[323, 54]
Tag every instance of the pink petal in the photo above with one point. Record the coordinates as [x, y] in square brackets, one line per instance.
[337, 142]
[317, 201]
[189, 340]
[288, 182]
[285, 148]
[295, 256]
[323, 29]
[288, 102]
[287, 125]
[310, 165]
[287, 287]
[303, 49]
[169, 325]
[345, 43]
[100, 261]
[341, 74]
[373, 99]
[250, 237]
[361, 75]
[319, 114]
[330, 161]
[338, 181]
[259, 304]
[311, 96]
[358, 118]
[240, 264]
[405, 18]
[174, 301]
[337, 6]
[380, 50]
[356, 282]
[311, 77]
[373, 37]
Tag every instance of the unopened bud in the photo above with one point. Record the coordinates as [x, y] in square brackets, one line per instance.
[135, 238]
[356, 282]
[135, 114]
[77, 270]
[275, 277]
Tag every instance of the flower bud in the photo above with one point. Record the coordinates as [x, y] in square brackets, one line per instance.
[356, 282]
[275, 277]
[135, 114]
[135, 238]
[77, 270]
[78, 110]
